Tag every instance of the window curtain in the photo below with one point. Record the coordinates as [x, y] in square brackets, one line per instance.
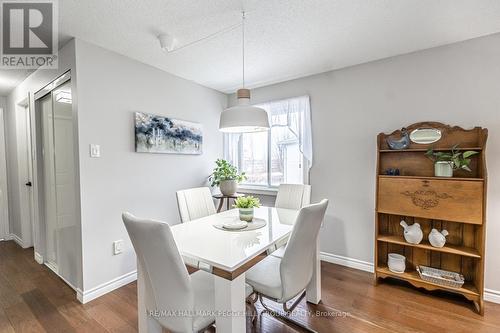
[290, 119]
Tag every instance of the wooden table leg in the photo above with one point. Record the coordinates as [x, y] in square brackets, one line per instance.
[221, 202]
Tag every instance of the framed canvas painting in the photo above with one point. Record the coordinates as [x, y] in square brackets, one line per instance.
[164, 135]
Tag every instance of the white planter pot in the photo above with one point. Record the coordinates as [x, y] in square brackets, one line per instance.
[396, 263]
[228, 187]
[443, 169]
[246, 214]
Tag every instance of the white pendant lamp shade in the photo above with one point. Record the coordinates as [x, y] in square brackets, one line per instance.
[243, 118]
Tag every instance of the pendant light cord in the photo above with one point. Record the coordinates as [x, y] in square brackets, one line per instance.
[243, 44]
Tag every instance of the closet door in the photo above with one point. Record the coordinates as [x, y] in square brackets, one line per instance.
[49, 182]
[67, 227]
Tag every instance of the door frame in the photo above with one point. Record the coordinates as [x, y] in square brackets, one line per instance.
[37, 158]
[25, 173]
[4, 198]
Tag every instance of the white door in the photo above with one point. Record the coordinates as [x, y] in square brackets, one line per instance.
[59, 189]
[67, 231]
[4, 216]
[49, 183]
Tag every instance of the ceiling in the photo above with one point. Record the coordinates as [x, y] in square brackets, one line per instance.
[285, 39]
[10, 78]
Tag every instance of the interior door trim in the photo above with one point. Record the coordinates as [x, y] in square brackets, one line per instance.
[52, 85]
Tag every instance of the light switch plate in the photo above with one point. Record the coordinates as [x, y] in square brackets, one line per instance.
[117, 247]
[95, 150]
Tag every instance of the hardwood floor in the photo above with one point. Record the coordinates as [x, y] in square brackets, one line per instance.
[34, 299]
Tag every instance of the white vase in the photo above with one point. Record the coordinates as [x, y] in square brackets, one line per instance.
[412, 233]
[443, 169]
[246, 214]
[436, 238]
[396, 263]
[228, 187]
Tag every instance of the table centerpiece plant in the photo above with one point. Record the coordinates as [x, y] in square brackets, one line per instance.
[246, 207]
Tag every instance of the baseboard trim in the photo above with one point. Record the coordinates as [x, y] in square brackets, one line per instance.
[38, 258]
[347, 262]
[18, 240]
[91, 294]
[490, 295]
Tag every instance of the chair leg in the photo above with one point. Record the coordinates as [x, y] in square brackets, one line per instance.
[289, 310]
[252, 301]
[286, 318]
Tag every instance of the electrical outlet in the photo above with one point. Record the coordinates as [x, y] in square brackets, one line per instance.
[117, 247]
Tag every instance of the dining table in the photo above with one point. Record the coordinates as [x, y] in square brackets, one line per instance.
[228, 254]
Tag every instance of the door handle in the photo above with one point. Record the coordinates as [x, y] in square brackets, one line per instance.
[28, 184]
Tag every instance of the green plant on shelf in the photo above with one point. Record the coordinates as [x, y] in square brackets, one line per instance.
[458, 160]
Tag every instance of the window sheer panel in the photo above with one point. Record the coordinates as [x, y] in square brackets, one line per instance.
[253, 157]
[281, 155]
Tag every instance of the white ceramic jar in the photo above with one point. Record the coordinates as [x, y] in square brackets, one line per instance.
[396, 263]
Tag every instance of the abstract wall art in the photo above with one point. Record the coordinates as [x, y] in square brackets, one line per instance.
[164, 135]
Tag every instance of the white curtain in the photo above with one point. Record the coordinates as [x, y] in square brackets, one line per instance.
[293, 116]
[290, 119]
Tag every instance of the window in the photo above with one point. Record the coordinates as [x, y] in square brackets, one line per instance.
[281, 155]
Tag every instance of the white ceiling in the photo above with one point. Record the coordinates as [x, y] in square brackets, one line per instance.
[285, 39]
[10, 78]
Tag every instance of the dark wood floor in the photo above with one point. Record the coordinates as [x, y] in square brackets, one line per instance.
[33, 299]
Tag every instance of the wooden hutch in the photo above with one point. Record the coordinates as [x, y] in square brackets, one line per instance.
[456, 204]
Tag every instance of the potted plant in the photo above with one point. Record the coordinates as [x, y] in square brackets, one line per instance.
[246, 206]
[226, 176]
[447, 162]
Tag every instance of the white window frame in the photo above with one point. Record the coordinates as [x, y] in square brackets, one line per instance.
[268, 189]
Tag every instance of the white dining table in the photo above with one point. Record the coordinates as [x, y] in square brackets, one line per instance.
[228, 255]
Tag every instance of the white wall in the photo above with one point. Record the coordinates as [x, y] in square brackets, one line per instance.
[457, 84]
[110, 88]
[4, 207]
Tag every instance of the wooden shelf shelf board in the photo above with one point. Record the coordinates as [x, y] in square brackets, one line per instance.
[468, 289]
[410, 150]
[452, 249]
[435, 178]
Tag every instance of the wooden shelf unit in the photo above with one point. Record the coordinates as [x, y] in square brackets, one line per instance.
[456, 204]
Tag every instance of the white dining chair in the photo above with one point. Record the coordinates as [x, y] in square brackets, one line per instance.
[282, 279]
[293, 196]
[169, 287]
[290, 196]
[195, 203]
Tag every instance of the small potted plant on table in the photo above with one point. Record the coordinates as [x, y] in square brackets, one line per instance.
[246, 206]
[447, 162]
[226, 176]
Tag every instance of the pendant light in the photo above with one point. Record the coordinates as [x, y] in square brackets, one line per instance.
[243, 118]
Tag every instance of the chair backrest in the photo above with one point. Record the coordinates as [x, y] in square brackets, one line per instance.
[296, 267]
[167, 282]
[195, 203]
[293, 196]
